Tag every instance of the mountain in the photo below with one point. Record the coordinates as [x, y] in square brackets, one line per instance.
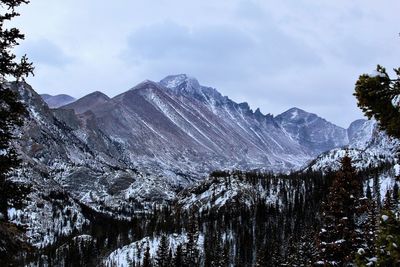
[360, 132]
[146, 144]
[368, 147]
[87, 102]
[311, 131]
[194, 130]
[109, 162]
[180, 125]
[57, 100]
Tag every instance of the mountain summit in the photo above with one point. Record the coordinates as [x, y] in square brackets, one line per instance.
[311, 131]
[87, 102]
[185, 85]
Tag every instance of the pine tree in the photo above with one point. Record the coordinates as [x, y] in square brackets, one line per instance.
[147, 257]
[191, 250]
[389, 234]
[178, 257]
[262, 257]
[366, 231]
[378, 97]
[11, 110]
[163, 253]
[337, 238]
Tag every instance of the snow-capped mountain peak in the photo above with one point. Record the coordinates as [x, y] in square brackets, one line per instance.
[188, 86]
[174, 81]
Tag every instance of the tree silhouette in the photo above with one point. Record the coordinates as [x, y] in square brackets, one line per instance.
[11, 109]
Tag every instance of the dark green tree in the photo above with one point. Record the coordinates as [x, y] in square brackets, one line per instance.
[11, 110]
[366, 228]
[147, 258]
[191, 250]
[163, 253]
[378, 97]
[178, 257]
[388, 244]
[337, 238]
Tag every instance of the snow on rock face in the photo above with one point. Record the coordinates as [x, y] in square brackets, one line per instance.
[174, 81]
[372, 148]
[124, 256]
[48, 212]
[311, 131]
[397, 169]
[216, 193]
[360, 133]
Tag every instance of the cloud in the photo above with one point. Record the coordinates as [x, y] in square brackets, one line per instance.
[272, 54]
[45, 52]
[218, 50]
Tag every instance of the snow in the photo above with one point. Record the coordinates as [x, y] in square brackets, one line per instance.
[371, 150]
[135, 251]
[174, 80]
[361, 251]
[397, 169]
[295, 114]
[386, 183]
[396, 101]
[376, 73]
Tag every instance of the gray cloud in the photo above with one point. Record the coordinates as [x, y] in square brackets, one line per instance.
[45, 52]
[217, 52]
[272, 54]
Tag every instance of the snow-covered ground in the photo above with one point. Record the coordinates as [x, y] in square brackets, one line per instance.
[124, 256]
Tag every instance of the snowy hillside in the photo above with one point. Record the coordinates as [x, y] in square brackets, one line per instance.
[134, 252]
[369, 147]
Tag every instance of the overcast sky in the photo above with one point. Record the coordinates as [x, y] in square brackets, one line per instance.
[272, 54]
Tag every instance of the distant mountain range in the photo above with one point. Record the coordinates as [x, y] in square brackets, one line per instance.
[178, 128]
[55, 101]
[177, 118]
[149, 142]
